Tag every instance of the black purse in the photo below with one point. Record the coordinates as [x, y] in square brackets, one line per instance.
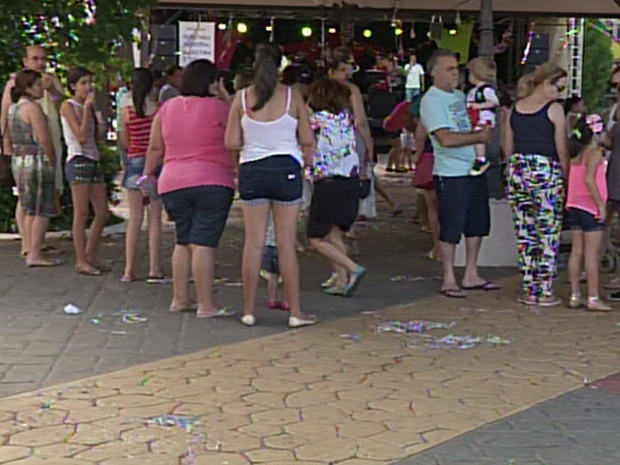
[6, 174]
[365, 185]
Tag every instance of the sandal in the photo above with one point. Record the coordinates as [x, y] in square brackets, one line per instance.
[526, 299]
[355, 280]
[329, 282]
[187, 307]
[45, 264]
[551, 301]
[161, 279]
[453, 293]
[221, 313]
[87, 272]
[486, 286]
[127, 278]
[597, 305]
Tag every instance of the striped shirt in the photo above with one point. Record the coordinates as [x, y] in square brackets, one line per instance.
[139, 133]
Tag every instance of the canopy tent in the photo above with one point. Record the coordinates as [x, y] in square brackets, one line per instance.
[602, 8]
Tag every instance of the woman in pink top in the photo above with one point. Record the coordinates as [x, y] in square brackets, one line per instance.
[196, 183]
[586, 204]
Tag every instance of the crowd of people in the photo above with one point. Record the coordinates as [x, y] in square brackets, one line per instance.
[305, 152]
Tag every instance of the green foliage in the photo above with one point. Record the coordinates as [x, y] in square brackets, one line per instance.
[598, 63]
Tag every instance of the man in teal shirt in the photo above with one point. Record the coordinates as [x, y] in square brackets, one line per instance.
[463, 199]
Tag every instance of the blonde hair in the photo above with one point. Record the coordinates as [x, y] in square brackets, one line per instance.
[546, 72]
[484, 69]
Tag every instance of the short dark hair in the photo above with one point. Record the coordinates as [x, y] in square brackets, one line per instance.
[329, 95]
[339, 55]
[173, 69]
[197, 78]
[23, 80]
[438, 54]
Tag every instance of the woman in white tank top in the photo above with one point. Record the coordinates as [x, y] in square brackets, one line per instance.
[268, 123]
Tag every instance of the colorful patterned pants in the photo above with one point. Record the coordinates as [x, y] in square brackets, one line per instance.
[536, 194]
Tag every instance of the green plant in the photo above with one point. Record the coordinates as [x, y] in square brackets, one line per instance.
[598, 62]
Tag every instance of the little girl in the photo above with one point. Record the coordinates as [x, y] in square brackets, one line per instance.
[83, 170]
[482, 101]
[272, 269]
[586, 205]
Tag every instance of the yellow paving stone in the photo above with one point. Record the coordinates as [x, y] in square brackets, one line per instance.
[378, 416]
[42, 436]
[38, 418]
[329, 451]
[393, 406]
[56, 461]
[129, 401]
[148, 459]
[175, 445]
[113, 450]
[261, 430]
[359, 429]
[119, 423]
[276, 385]
[222, 422]
[364, 394]
[83, 392]
[378, 450]
[147, 434]
[195, 409]
[349, 406]
[148, 411]
[323, 414]
[220, 458]
[280, 416]
[309, 398]
[211, 398]
[233, 441]
[89, 414]
[312, 431]
[59, 450]
[353, 378]
[91, 435]
[274, 371]
[438, 436]
[185, 390]
[401, 438]
[284, 441]
[270, 399]
[9, 453]
[239, 390]
[269, 455]
[243, 408]
[363, 462]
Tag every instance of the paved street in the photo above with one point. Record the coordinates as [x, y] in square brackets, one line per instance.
[91, 389]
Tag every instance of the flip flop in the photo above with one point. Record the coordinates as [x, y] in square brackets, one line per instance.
[93, 272]
[486, 287]
[184, 308]
[453, 293]
[163, 279]
[221, 313]
[50, 249]
[45, 265]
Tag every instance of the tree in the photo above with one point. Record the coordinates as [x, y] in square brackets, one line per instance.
[487, 40]
[598, 62]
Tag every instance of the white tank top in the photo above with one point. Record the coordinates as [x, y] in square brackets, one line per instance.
[74, 148]
[266, 139]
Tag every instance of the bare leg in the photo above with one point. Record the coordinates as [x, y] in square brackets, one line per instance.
[472, 278]
[394, 154]
[592, 247]
[99, 199]
[337, 239]
[447, 260]
[332, 252]
[155, 211]
[422, 210]
[181, 264]
[433, 218]
[286, 223]
[80, 195]
[272, 287]
[575, 261]
[37, 226]
[203, 269]
[255, 220]
[20, 219]
[132, 235]
[379, 189]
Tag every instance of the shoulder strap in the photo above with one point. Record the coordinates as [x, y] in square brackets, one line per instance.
[243, 100]
[289, 98]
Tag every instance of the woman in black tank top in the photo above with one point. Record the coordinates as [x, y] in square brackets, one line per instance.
[536, 144]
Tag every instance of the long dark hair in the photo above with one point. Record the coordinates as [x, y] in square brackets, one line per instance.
[266, 66]
[141, 85]
[586, 129]
[23, 80]
[329, 95]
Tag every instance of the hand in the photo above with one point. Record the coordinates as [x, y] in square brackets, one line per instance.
[90, 101]
[602, 212]
[485, 136]
[222, 92]
[48, 81]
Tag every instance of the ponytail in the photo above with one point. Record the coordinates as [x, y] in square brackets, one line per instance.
[266, 68]
[142, 83]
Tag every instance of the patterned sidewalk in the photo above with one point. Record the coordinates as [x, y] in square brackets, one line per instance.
[338, 393]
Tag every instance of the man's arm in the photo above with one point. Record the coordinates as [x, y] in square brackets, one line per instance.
[7, 148]
[449, 139]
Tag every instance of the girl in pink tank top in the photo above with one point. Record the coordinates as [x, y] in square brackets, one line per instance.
[586, 205]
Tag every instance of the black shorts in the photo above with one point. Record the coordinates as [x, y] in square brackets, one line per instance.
[83, 170]
[270, 260]
[581, 220]
[335, 202]
[463, 207]
[199, 213]
[274, 180]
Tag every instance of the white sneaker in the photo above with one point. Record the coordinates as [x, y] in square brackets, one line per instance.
[248, 320]
[294, 322]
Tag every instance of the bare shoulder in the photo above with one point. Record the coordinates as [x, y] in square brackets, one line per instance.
[556, 112]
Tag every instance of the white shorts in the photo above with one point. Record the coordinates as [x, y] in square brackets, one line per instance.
[406, 140]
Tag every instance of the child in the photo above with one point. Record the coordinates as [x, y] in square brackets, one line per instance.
[83, 170]
[586, 205]
[482, 101]
[272, 269]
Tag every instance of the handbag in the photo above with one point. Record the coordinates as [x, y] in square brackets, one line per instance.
[423, 177]
[6, 174]
[365, 185]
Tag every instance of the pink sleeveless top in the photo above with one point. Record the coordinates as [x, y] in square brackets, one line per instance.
[578, 194]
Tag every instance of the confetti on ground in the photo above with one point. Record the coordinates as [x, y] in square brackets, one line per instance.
[181, 421]
[71, 309]
[46, 405]
[95, 320]
[146, 380]
[497, 341]
[405, 278]
[412, 326]
[451, 341]
[131, 318]
[352, 337]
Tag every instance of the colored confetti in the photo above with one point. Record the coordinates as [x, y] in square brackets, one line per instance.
[186, 423]
[412, 326]
[497, 341]
[352, 337]
[71, 309]
[131, 318]
[405, 278]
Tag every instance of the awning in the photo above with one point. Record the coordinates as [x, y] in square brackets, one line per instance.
[601, 8]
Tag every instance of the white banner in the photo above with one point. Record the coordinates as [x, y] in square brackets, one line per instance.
[196, 41]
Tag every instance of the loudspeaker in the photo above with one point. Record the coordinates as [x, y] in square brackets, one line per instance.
[436, 31]
[164, 45]
[539, 52]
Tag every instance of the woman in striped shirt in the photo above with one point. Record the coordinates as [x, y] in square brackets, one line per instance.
[137, 121]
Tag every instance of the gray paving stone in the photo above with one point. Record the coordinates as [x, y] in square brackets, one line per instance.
[579, 428]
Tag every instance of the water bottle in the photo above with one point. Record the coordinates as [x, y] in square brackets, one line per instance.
[148, 186]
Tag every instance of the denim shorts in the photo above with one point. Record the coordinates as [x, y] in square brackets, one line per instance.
[581, 220]
[274, 180]
[463, 207]
[199, 213]
[270, 260]
[134, 169]
[83, 170]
